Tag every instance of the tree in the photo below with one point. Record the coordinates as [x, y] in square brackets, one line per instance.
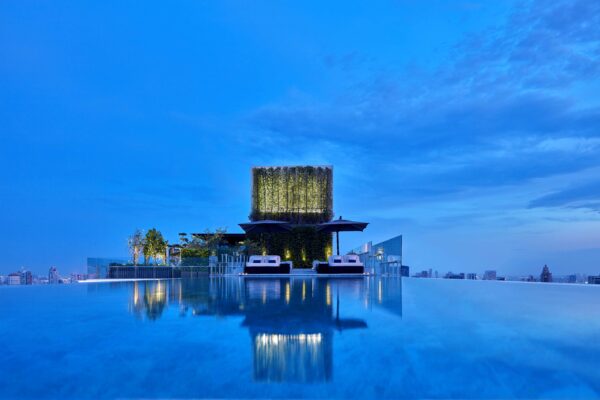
[202, 245]
[252, 247]
[135, 242]
[154, 245]
[212, 241]
[183, 239]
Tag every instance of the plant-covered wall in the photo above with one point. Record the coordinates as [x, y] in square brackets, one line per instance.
[301, 195]
[301, 246]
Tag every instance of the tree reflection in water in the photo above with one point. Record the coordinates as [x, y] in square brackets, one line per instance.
[291, 320]
[150, 297]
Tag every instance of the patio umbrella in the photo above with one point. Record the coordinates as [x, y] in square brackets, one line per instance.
[266, 226]
[341, 225]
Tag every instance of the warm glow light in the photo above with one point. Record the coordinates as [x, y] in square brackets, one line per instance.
[287, 292]
[159, 292]
[265, 339]
[136, 293]
[303, 290]
[287, 254]
[328, 294]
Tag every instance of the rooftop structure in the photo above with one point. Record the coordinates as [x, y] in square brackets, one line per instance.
[298, 194]
[383, 257]
[301, 196]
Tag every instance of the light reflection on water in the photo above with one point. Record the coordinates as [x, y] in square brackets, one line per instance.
[301, 337]
[291, 321]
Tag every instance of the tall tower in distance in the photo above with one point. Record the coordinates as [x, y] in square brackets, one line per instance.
[53, 276]
[546, 275]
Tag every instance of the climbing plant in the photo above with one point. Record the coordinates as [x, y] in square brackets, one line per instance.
[302, 195]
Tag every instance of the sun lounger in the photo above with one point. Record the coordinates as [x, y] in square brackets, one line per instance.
[267, 265]
[348, 264]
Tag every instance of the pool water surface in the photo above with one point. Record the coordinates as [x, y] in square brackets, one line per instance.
[367, 337]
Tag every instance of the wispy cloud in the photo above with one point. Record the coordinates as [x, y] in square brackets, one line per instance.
[500, 111]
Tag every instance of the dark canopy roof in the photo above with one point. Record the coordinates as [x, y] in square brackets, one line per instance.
[266, 226]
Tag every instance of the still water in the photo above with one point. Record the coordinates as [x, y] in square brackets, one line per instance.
[301, 338]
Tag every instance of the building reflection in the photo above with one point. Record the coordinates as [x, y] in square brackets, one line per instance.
[386, 292]
[149, 298]
[291, 321]
[292, 324]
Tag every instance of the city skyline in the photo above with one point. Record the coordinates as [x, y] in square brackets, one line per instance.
[470, 131]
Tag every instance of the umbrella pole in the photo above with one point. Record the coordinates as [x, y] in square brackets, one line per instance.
[337, 239]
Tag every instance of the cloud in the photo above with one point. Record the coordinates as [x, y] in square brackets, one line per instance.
[577, 196]
[500, 111]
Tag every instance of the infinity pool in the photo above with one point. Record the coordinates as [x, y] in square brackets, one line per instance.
[301, 338]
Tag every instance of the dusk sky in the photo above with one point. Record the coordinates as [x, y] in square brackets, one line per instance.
[470, 127]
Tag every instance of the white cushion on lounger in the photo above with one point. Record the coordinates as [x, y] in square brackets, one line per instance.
[264, 261]
[350, 260]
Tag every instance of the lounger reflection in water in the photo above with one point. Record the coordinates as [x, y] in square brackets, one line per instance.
[348, 264]
[267, 265]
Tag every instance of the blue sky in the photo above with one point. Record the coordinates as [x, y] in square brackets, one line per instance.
[471, 127]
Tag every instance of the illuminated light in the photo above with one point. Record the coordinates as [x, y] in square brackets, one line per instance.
[264, 251]
[287, 254]
[303, 255]
[180, 294]
[303, 290]
[287, 293]
[264, 295]
[265, 339]
[328, 251]
[328, 294]
[380, 292]
[136, 293]
[159, 292]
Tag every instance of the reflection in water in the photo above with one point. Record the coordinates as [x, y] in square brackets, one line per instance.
[152, 301]
[291, 320]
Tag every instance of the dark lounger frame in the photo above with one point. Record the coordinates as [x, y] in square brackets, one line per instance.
[283, 268]
[325, 268]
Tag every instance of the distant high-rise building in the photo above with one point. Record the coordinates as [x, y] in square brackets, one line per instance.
[489, 275]
[26, 277]
[53, 276]
[14, 278]
[422, 274]
[593, 280]
[451, 275]
[78, 277]
[405, 270]
[546, 275]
